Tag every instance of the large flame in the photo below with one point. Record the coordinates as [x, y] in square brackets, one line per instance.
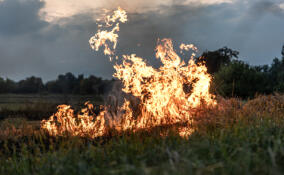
[165, 95]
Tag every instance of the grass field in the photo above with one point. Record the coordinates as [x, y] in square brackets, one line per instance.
[237, 138]
[37, 107]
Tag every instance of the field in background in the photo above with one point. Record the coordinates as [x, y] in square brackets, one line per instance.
[235, 138]
[37, 106]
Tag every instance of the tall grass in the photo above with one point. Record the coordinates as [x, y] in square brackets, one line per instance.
[236, 137]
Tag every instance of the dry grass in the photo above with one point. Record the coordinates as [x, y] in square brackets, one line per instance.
[236, 137]
[226, 114]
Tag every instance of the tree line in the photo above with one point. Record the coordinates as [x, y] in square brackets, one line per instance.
[64, 84]
[235, 78]
[231, 78]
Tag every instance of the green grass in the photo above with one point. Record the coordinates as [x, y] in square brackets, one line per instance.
[238, 150]
[236, 139]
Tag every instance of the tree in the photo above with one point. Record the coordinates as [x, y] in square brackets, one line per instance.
[53, 87]
[30, 85]
[239, 79]
[66, 82]
[277, 73]
[3, 88]
[11, 86]
[282, 52]
[91, 85]
[215, 59]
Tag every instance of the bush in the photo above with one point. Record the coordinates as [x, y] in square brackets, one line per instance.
[239, 79]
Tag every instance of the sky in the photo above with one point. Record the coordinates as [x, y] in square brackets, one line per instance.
[46, 38]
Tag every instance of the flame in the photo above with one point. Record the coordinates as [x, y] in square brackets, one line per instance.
[64, 121]
[187, 47]
[167, 95]
[102, 36]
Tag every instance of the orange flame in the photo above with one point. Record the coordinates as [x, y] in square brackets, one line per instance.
[64, 121]
[102, 36]
[166, 95]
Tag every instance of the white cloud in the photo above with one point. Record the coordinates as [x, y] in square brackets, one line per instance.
[281, 6]
[57, 9]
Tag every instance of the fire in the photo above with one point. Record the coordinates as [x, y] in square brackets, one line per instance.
[167, 95]
[102, 36]
[86, 124]
[187, 47]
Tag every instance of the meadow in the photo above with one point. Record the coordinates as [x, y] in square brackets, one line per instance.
[236, 137]
[40, 106]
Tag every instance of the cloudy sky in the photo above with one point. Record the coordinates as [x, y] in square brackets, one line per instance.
[50, 37]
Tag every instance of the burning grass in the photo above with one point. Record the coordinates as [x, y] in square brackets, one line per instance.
[170, 125]
[235, 137]
[168, 95]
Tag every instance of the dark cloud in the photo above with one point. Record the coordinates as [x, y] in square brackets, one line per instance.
[255, 13]
[20, 17]
[261, 8]
[258, 24]
[31, 46]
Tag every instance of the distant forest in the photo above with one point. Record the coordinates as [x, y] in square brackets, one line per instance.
[235, 78]
[64, 84]
[231, 78]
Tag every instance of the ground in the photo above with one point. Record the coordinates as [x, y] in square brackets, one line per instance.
[236, 138]
[40, 106]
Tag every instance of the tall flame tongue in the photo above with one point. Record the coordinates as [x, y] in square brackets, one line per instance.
[102, 36]
[166, 95]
